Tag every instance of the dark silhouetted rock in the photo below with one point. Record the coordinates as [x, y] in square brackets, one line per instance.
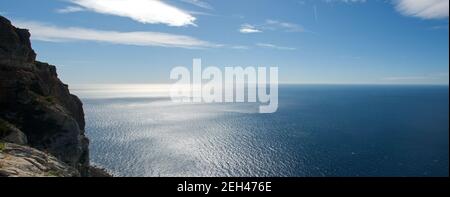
[37, 104]
[9, 133]
[15, 43]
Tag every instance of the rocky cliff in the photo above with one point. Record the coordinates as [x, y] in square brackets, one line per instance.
[37, 109]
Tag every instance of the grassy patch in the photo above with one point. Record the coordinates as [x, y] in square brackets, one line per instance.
[52, 173]
[38, 99]
[2, 146]
[3, 127]
[50, 99]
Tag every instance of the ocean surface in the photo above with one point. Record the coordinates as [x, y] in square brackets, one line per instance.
[318, 130]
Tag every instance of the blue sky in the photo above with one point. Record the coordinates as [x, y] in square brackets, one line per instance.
[311, 41]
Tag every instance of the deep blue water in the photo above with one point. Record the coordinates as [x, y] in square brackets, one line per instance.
[318, 130]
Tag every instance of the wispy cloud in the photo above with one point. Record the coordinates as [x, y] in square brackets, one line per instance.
[144, 11]
[439, 27]
[50, 33]
[425, 9]
[350, 57]
[240, 47]
[419, 78]
[271, 25]
[199, 3]
[316, 15]
[405, 78]
[272, 46]
[247, 29]
[346, 1]
[288, 27]
[70, 9]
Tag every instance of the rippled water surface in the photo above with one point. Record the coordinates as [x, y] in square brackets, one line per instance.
[317, 131]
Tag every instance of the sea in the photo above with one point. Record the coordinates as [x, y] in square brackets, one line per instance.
[317, 131]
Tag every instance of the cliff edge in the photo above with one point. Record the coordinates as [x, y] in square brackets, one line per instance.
[38, 115]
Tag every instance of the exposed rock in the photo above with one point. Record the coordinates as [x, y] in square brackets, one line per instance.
[24, 161]
[37, 104]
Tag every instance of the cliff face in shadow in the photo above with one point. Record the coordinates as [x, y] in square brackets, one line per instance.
[36, 108]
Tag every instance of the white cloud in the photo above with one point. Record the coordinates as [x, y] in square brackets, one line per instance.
[199, 3]
[70, 9]
[272, 46]
[50, 33]
[144, 11]
[247, 29]
[426, 9]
